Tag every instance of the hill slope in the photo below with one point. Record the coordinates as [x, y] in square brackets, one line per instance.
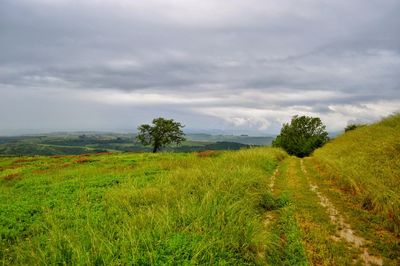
[365, 163]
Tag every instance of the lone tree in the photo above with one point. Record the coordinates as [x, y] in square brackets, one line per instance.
[302, 136]
[161, 133]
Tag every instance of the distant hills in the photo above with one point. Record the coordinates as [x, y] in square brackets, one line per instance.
[72, 143]
[243, 139]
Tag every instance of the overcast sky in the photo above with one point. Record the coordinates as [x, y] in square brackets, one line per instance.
[231, 65]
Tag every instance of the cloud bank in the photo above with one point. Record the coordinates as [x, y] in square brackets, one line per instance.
[238, 65]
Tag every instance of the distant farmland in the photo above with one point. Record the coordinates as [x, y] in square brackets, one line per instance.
[82, 143]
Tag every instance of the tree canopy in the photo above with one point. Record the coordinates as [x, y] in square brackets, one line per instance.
[302, 136]
[161, 133]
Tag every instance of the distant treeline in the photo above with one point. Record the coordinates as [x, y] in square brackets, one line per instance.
[86, 144]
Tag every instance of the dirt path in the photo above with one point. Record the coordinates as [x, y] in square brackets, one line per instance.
[308, 229]
[344, 231]
[273, 178]
[285, 245]
[268, 217]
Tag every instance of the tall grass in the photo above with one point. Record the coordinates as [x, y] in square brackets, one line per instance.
[365, 162]
[146, 209]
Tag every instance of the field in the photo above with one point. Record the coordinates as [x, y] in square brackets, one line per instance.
[134, 208]
[255, 206]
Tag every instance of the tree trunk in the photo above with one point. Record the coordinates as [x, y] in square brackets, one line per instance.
[155, 148]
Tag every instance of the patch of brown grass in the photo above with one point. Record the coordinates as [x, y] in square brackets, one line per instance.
[83, 160]
[24, 160]
[11, 166]
[208, 153]
[39, 171]
[84, 155]
[11, 177]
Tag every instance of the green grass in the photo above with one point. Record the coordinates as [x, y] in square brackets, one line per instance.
[285, 236]
[170, 209]
[365, 163]
[302, 230]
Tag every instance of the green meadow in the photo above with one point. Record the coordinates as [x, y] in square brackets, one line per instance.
[167, 208]
[255, 206]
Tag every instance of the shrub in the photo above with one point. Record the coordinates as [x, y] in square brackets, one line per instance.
[352, 127]
[302, 136]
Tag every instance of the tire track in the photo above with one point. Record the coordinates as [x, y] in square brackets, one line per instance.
[285, 235]
[273, 178]
[345, 232]
[268, 218]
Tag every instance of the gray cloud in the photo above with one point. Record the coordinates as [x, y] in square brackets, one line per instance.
[231, 65]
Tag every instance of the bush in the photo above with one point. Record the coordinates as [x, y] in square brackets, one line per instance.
[352, 127]
[302, 136]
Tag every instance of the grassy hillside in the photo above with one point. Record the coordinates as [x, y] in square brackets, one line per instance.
[171, 208]
[365, 164]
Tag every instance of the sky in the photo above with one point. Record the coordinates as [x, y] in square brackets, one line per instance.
[230, 66]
